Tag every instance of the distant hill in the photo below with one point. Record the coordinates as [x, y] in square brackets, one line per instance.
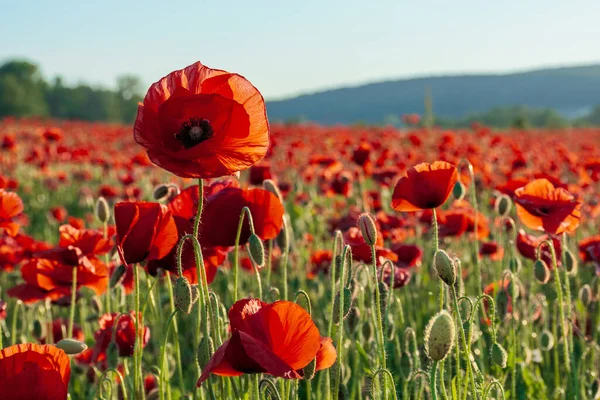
[572, 91]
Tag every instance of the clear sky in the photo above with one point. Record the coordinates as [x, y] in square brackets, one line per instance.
[287, 47]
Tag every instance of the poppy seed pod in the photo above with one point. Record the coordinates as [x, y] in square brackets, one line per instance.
[585, 295]
[571, 262]
[183, 295]
[459, 190]
[498, 355]
[38, 329]
[445, 267]
[541, 271]
[71, 346]
[256, 250]
[502, 205]
[439, 336]
[368, 229]
[102, 210]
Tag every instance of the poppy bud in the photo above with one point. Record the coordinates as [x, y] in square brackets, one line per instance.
[541, 271]
[338, 266]
[503, 205]
[183, 295]
[498, 355]
[160, 192]
[195, 294]
[71, 346]
[594, 387]
[112, 355]
[38, 329]
[96, 304]
[309, 370]
[206, 349]
[383, 296]
[406, 365]
[445, 267]
[274, 293]
[347, 305]
[546, 340]
[368, 229]
[514, 264]
[270, 186]
[117, 276]
[283, 239]
[585, 295]
[389, 327]
[439, 336]
[459, 190]
[571, 262]
[102, 210]
[256, 250]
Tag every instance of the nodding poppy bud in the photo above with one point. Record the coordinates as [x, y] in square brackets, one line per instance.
[541, 271]
[71, 346]
[406, 364]
[546, 340]
[459, 190]
[206, 348]
[585, 295]
[117, 276]
[102, 210]
[38, 329]
[383, 296]
[161, 191]
[112, 355]
[274, 293]
[256, 250]
[183, 295]
[571, 262]
[514, 264]
[195, 294]
[347, 305]
[270, 186]
[498, 355]
[96, 304]
[338, 267]
[439, 336]
[503, 205]
[445, 267]
[309, 370]
[283, 239]
[368, 229]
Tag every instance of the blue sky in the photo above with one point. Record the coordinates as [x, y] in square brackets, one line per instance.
[291, 47]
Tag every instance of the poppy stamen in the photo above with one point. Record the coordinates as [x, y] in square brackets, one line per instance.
[194, 131]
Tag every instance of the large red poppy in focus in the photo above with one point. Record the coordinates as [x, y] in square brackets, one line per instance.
[424, 186]
[31, 371]
[278, 339]
[543, 207]
[200, 122]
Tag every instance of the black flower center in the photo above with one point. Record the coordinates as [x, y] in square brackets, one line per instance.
[194, 131]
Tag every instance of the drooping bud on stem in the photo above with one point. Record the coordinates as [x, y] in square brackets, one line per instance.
[541, 271]
[71, 346]
[182, 292]
[161, 191]
[571, 263]
[117, 276]
[459, 190]
[205, 351]
[585, 295]
[498, 355]
[439, 336]
[445, 267]
[503, 205]
[256, 250]
[102, 210]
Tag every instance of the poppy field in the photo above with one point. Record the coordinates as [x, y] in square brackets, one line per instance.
[205, 253]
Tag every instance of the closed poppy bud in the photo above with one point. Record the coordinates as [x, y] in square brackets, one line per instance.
[439, 336]
[256, 250]
[503, 205]
[38, 329]
[367, 331]
[206, 349]
[71, 346]
[445, 267]
[498, 355]
[183, 295]
[541, 271]
[96, 304]
[112, 355]
[383, 296]
[117, 276]
[283, 238]
[459, 190]
[571, 262]
[270, 186]
[160, 192]
[546, 340]
[309, 370]
[347, 305]
[368, 229]
[585, 295]
[102, 210]
[338, 266]
[514, 264]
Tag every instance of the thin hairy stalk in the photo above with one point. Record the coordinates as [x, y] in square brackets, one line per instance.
[163, 352]
[73, 301]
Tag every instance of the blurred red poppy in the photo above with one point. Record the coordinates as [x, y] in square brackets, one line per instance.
[59, 330]
[589, 249]
[145, 231]
[424, 186]
[321, 261]
[528, 244]
[401, 276]
[200, 122]
[543, 207]
[278, 339]
[10, 207]
[491, 250]
[31, 371]
[3, 307]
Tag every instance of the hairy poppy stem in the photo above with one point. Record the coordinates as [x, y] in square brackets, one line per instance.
[73, 300]
[466, 348]
[432, 382]
[236, 251]
[436, 247]
[175, 330]
[380, 335]
[163, 352]
[138, 343]
[340, 330]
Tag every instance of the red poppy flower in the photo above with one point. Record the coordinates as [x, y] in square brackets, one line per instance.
[589, 249]
[145, 231]
[424, 186]
[59, 214]
[91, 242]
[32, 371]
[10, 207]
[361, 251]
[321, 261]
[543, 207]
[260, 172]
[200, 122]
[401, 276]
[528, 244]
[3, 307]
[491, 250]
[59, 329]
[222, 213]
[278, 339]
[409, 255]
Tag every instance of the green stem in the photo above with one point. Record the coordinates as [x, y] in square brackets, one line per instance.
[236, 251]
[340, 329]
[136, 359]
[286, 252]
[466, 348]
[176, 330]
[432, 381]
[561, 310]
[73, 300]
[255, 387]
[380, 335]
[436, 247]
[163, 352]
